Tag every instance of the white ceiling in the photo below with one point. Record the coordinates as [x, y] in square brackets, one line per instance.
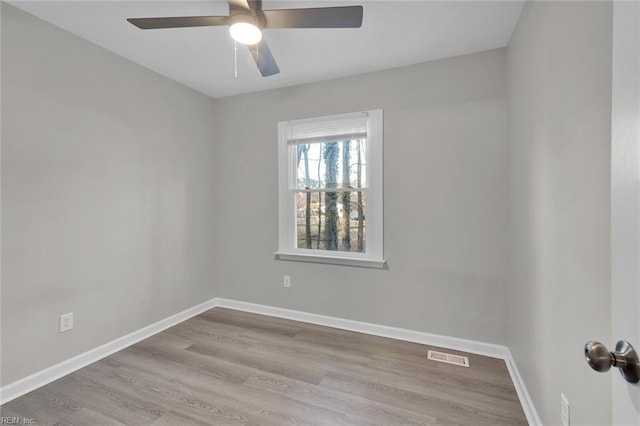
[393, 34]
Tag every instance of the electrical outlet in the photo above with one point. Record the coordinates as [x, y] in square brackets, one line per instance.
[66, 322]
[564, 410]
[286, 283]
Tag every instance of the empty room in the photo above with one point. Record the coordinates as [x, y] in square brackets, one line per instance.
[317, 212]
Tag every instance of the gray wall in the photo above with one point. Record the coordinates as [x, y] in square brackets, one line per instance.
[107, 205]
[559, 72]
[445, 153]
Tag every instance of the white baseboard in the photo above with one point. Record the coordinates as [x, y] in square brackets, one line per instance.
[521, 389]
[471, 346]
[48, 375]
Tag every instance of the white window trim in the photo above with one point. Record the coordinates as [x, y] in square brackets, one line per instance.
[374, 252]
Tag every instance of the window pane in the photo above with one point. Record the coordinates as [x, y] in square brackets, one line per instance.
[331, 165]
[331, 221]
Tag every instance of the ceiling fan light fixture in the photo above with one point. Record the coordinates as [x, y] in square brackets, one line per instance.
[245, 30]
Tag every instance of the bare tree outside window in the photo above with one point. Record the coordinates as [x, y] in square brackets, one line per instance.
[331, 206]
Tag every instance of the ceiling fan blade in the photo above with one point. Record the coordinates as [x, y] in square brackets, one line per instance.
[264, 59]
[179, 22]
[322, 17]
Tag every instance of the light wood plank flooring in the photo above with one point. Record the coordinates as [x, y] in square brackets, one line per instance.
[227, 367]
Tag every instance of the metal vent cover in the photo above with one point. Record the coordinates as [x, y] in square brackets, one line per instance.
[462, 361]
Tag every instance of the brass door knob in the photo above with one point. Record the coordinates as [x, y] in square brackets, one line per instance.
[625, 358]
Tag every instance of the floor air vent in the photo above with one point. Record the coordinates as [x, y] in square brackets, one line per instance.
[448, 358]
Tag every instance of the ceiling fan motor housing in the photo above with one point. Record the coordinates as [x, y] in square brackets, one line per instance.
[247, 17]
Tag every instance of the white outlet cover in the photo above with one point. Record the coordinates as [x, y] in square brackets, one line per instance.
[66, 322]
[287, 281]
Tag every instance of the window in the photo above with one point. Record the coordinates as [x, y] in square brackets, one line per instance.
[330, 192]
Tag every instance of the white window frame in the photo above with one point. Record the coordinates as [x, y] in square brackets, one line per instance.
[373, 257]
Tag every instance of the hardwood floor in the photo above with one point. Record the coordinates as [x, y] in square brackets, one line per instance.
[227, 367]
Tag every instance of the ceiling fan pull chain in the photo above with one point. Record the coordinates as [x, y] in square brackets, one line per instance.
[235, 58]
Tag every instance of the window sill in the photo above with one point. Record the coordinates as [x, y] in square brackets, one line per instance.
[332, 260]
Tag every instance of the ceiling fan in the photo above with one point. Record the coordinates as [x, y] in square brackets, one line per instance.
[246, 21]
